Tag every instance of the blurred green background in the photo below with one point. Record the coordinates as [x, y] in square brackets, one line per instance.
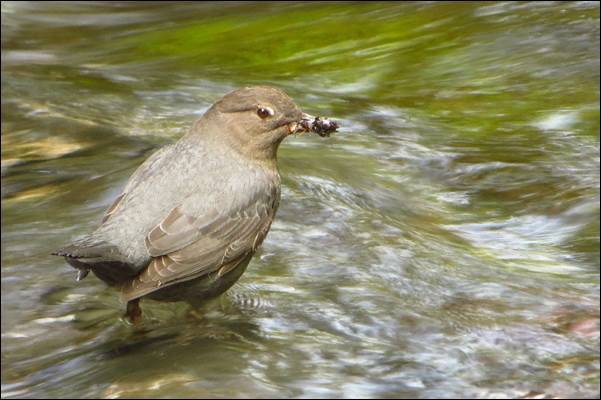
[444, 243]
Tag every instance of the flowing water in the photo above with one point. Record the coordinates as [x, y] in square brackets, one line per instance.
[444, 243]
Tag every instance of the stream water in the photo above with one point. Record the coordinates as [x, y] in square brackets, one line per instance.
[444, 243]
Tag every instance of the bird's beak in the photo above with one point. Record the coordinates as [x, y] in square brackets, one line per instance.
[293, 128]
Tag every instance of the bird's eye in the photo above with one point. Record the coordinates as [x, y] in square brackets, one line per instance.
[264, 112]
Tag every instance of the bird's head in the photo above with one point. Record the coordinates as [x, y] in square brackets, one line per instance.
[252, 120]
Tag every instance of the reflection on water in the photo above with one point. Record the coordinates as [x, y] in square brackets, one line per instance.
[444, 243]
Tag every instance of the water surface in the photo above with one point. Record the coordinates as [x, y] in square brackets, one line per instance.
[444, 243]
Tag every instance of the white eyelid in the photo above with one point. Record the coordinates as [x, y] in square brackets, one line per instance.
[269, 110]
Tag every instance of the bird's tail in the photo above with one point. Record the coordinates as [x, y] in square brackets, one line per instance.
[88, 254]
[85, 248]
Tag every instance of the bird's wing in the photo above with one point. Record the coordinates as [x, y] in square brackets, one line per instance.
[185, 246]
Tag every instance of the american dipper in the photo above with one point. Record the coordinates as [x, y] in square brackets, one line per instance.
[193, 214]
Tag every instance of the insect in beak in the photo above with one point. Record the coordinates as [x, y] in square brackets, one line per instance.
[308, 123]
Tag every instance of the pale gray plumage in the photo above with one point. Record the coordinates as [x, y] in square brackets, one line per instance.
[192, 215]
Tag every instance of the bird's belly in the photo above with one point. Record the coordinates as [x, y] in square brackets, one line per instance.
[201, 288]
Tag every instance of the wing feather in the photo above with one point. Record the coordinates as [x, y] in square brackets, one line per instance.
[185, 247]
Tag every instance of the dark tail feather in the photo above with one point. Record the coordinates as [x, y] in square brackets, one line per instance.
[102, 259]
[88, 248]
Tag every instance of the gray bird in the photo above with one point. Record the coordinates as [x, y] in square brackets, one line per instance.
[193, 214]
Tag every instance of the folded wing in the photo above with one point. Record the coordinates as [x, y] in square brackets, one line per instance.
[186, 247]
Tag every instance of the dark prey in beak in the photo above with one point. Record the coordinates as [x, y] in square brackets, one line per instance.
[323, 127]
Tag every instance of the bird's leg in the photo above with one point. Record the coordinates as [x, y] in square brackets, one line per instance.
[195, 311]
[133, 312]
